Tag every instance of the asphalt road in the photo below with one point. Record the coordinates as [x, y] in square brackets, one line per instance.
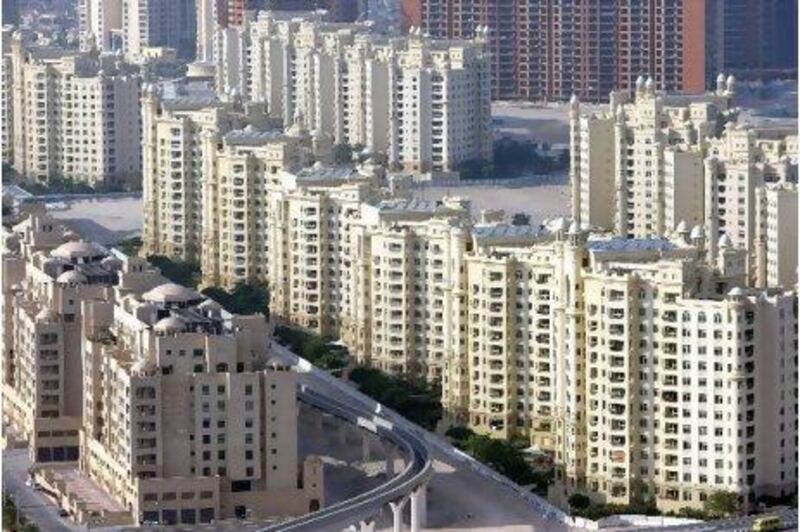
[34, 504]
[459, 497]
[739, 524]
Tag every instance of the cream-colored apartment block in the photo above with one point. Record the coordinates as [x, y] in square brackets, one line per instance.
[191, 141]
[163, 399]
[739, 163]
[172, 166]
[645, 166]
[776, 235]
[46, 278]
[624, 173]
[100, 24]
[638, 364]
[422, 103]
[187, 421]
[313, 253]
[414, 257]
[72, 115]
[238, 169]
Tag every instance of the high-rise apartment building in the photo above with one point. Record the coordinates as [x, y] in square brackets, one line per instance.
[640, 365]
[754, 39]
[46, 280]
[71, 115]
[552, 49]
[100, 24]
[11, 12]
[189, 137]
[186, 419]
[659, 160]
[422, 103]
[152, 393]
[158, 23]
[776, 235]
[213, 16]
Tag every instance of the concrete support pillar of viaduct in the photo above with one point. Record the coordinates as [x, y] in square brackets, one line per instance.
[419, 508]
[397, 514]
[366, 448]
[316, 418]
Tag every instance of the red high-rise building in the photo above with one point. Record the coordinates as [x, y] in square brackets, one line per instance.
[550, 49]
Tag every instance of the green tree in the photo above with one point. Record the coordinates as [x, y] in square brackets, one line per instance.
[722, 503]
[579, 501]
[459, 433]
[520, 218]
[130, 246]
[180, 272]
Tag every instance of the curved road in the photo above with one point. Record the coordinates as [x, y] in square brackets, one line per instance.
[452, 504]
[365, 506]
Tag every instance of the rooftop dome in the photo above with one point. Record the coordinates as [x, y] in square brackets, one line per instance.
[171, 293]
[725, 241]
[736, 291]
[170, 324]
[75, 250]
[574, 229]
[559, 224]
[111, 262]
[682, 227]
[47, 314]
[697, 232]
[210, 305]
[72, 277]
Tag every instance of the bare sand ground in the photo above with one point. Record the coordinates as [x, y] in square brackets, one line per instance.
[539, 202]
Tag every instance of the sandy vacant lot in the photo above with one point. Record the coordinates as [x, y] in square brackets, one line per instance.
[540, 202]
[104, 220]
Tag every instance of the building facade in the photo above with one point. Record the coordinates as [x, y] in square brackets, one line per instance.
[423, 104]
[636, 362]
[148, 391]
[100, 24]
[72, 115]
[656, 162]
[190, 139]
[158, 23]
[552, 49]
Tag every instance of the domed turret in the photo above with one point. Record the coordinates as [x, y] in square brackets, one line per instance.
[724, 242]
[682, 228]
[573, 229]
[730, 85]
[736, 292]
[72, 277]
[171, 293]
[79, 251]
[721, 82]
[170, 325]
